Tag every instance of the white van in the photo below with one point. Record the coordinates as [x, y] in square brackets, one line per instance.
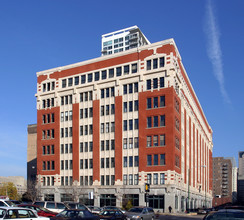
[52, 206]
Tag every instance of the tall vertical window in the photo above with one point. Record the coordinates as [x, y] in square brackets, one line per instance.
[162, 178]
[155, 179]
[161, 62]
[104, 74]
[149, 65]
[125, 179]
[155, 159]
[162, 120]
[136, 105]
[136, 179]
[149, 160]
[130, 179]
[125, 89]
[130, 124]
[136, 87]
[134, 68]
[126, 69]
[130, 161]
[162, 159]
[149, 84]
[136, 142]
[97, 76]
[149, 103]
[125, 162]
[136, 161]
[149, 141]
[111, 73]
[155, 121]
[155, 102]
[155, 83]
[155, 140]
[149, 122]
[161, 82]
[125, 125]
[89, 77]
[118, 71]
[155, 63]
[162, 101]
[149, 178]
[162, 140]
[125, 107]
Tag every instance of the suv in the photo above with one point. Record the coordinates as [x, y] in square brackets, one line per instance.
[6, 202]
[52, 206]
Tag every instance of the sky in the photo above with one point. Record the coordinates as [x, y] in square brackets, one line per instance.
[37, 35]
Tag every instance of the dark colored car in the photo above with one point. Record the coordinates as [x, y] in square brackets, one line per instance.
[112, 208]
[40, 210]
[75, 214]
[112, 214]
[224, 214]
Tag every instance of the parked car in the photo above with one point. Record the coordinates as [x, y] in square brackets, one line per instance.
[112, 214]
[95, 209]
[40, 210]
[75, 214]
[75, 205]
[222, 214]
[140, 212]
[112, 208]
[52, 206]
[19, 213]
[6, 203]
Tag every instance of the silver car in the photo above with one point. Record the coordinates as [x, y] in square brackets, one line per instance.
[140, 213]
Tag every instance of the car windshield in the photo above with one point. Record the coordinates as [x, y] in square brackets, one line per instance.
[226, 215]
[137, 210]
[74, 213]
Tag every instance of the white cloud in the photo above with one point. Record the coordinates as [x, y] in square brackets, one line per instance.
[214, 49]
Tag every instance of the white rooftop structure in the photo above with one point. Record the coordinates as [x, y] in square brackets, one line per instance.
[122, 40]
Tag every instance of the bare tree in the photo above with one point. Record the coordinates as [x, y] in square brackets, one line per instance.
[33, 190]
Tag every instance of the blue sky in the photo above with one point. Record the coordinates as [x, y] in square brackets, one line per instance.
[42, 34]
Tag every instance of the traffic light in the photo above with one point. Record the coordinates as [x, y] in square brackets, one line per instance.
[147, 187]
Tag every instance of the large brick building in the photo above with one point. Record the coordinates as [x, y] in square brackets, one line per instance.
[107, 126]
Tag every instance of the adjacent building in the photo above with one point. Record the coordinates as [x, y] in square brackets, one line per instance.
[122, 40]
[224, 181]
[18, 181]
[240, 183]
[107, 126]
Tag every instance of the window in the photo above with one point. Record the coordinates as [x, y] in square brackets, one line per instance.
[148, 84]
[97, 76]
[107, 144]
[107, 127]
[130, 143]
[155, 160]
[161, 62]
[112, 91]
[130, 106]
[89, 77]
[112, 109]
[149, 160]
[155, 121]
[161, 82]
[102, 93]
[130, 88]
[155, 102]
[125, 179]
[155, 140]
[149, 122]
[149, 63]
[134, 68]
[162, 159]
[111, 73]
[162, 120]
[112, 127]
[107, 109]
[136, 105]
[70, 82]
[125, 107]
[118, 71]
[83, 79]
[149, 103]
[130, 161]
[162, 178]
[107, 92]
[125, 125]
[130, 124]
[126, 69]
[155, 63]
[125, 89]
[63, 83]
[125, 162]
[136, 125]
[135, 87]
[155, 83]
[136, 161]
[102, 162]
[104, 74]
[102, 145]
[102, 128]
[149, 178]
[136, 179]
[102, 180]
[136, 142]
[112, 162]
[155, 179]
[125, 143]
[162, 140]
[149, 141]
[162, 101]
[130, 179]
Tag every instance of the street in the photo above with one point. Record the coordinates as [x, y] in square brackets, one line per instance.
[182, 217]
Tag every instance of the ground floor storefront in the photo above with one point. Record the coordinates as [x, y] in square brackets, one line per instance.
[161, 198]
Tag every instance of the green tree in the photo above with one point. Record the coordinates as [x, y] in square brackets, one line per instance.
[10, 190]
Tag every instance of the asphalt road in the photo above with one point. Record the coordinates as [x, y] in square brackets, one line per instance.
[181, 217]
